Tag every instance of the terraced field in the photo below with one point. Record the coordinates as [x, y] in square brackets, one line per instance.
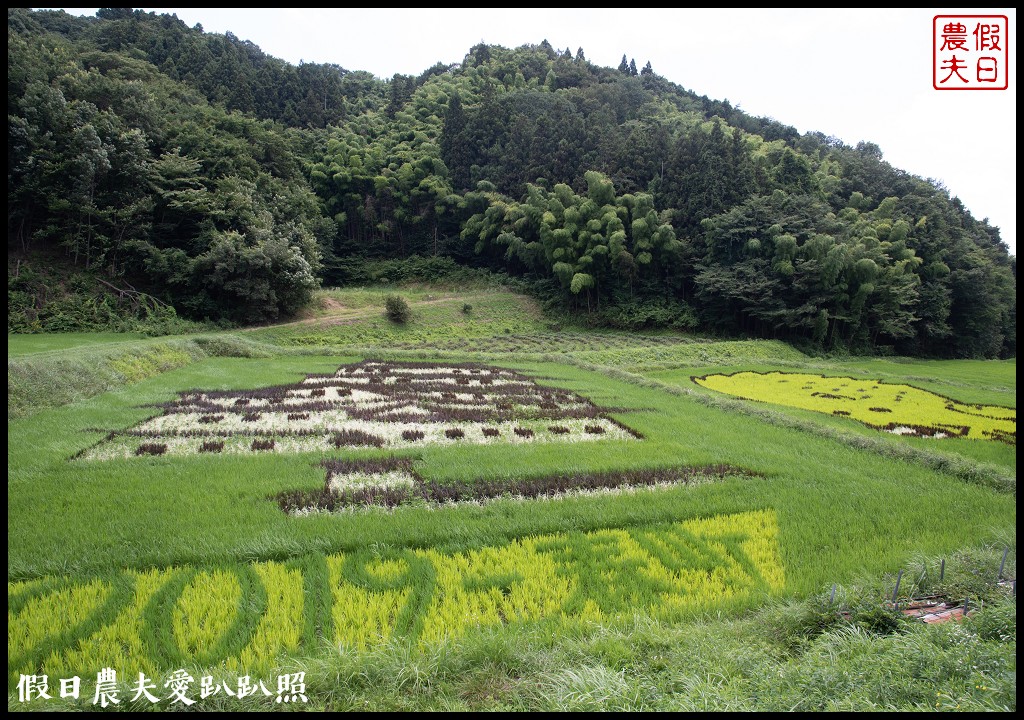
[481, 509]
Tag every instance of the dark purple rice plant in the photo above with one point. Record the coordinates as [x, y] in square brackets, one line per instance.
[151, 449]
[356, 438]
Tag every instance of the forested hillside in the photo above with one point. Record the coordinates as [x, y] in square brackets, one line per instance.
[229, 184]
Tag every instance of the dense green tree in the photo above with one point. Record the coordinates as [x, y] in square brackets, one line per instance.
[224, 181]
[201, 207]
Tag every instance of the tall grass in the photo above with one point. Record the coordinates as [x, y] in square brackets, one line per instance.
[41, 380]
[639, 664]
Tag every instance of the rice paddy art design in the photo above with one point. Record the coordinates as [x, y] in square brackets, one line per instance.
[893, 408]
[368, 404]
[244, 617]
[391, 482]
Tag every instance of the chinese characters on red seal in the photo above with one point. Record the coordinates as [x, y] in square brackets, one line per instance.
[970, 52]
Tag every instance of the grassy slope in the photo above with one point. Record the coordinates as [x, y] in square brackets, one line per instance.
[844, 513]
[56, 342]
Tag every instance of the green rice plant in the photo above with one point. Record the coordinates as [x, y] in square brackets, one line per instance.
[35, 343]
[184, 629]
[843, 503]
[317, 601]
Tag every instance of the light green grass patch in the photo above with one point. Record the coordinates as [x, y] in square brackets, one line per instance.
[51, 342]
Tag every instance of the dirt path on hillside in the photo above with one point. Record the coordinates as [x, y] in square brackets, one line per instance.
[340, 315]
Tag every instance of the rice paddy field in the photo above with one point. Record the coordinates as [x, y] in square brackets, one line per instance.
[484, 510]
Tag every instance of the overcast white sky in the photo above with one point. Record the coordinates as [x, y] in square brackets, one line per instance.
[858, 74]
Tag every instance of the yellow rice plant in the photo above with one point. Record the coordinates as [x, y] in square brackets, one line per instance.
[120, 642]
[904, 409]
[696, 588]
[492, 586]
[50, 615]
[363, 617]
[205, 611]
[422, 596]
[280, 629]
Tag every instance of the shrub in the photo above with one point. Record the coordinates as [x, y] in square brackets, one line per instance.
[649, 313]
[397, 309]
